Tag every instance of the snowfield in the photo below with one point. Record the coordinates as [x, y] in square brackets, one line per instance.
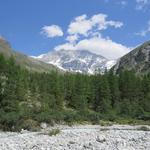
[81, 137]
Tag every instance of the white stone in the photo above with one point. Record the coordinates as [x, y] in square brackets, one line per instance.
[43, 125]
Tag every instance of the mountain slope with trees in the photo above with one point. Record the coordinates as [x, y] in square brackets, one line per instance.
[28, 98]
[23, 60]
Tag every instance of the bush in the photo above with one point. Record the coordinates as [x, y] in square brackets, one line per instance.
[8, 120]
[144, 128]
[93, 117]
[145, 117]
[70, 116]
[54, 132]
[104, 129]
[51, 117]
[29, 124]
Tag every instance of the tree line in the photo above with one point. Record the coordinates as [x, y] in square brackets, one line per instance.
[30, 98]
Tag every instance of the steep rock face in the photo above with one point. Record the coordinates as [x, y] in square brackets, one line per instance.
[77, 61]
[138, 60]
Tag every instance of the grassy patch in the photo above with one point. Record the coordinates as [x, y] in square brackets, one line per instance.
[131, 121]
[106, 123]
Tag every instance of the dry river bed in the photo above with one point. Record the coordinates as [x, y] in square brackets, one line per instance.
[80, 137]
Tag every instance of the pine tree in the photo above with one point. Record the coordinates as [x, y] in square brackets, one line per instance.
[114, 91]
[103, 99]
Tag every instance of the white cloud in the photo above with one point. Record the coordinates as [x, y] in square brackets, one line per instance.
[142, 4]
[98, 45]
[72, 38]
[66, 46]
[52, 31]
[82, 25]
[123, 3]
[119, 2]
[144, 32]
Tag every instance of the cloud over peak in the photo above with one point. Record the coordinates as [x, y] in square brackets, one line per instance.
[98, 45]
[85, 33]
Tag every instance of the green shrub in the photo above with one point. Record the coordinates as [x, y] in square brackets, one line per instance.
[93, 117]
[145, 117]
[70, 116]
[29, 124]
[8, 120]
[54, 132]
[144, 128]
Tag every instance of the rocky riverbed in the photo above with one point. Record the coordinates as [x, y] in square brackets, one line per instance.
[82, 137]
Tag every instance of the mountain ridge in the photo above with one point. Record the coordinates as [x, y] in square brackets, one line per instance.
[82, 61]
[138, 60]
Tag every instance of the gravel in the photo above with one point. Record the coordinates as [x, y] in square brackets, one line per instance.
[81, 137]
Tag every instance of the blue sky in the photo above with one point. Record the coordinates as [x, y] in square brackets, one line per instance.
[107, 27]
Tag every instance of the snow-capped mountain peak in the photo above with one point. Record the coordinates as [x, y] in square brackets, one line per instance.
[81, 61]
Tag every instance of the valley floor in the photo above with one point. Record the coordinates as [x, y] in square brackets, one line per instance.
[81, 137]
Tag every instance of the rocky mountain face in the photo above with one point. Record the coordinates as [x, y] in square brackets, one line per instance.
[138, 60]
[77, 61]
[23, 60]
